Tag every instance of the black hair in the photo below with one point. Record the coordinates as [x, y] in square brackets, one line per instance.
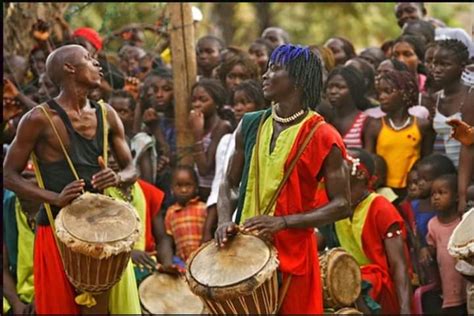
[123, 94]
[284, 34]
[355, 82]
[418, 47]
[405, 83]
[233, 60]
[264, 42]
[458, 49]
[161, 72]
[398, 65]
[440, 164]
[347, 47]
[304, 68]
[451, 179]
[253, 90]
[212, 38]
[385, 47]
[215, 90]
[368, 72]
[189, 169]
[365, 157]
[415, 42]
[420, 28]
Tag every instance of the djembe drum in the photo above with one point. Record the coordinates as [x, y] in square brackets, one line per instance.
[161, 293]
[95, 235]
[341, 278]
[240, 278]
[461, 242]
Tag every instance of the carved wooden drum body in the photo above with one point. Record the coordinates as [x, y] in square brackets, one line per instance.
[96, 234]
[341, 278]
[240, 278]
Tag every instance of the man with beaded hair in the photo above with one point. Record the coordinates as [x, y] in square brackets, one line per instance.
[282, 156]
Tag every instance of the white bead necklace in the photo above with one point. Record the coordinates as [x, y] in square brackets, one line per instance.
[397, 128]
[286, 120]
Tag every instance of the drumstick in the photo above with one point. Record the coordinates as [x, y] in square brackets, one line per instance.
[101, 162]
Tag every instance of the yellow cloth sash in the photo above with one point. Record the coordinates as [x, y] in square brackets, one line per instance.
[271, 166]
[139, 203]
[349, 232]
[24, 271]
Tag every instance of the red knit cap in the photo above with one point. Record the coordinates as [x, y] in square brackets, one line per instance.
[90, 35]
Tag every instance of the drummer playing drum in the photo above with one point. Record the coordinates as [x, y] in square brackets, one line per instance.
[79, 124]
[293, 82]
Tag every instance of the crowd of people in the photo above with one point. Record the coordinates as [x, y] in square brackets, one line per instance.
[386, 171]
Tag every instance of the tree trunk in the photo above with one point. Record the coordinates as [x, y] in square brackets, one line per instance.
[264, 18]
[184, 73]
[19, 17]
[223, 14]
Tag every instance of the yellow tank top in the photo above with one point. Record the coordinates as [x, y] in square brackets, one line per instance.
[400, 149]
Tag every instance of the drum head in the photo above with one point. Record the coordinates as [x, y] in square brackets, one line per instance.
[98, 218]
[162, 293]
[343, 277]
[241, 258]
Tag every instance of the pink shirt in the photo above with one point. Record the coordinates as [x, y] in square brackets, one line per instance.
[452, 283]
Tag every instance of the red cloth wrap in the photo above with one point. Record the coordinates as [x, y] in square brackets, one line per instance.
[297, 248]
[54, 294]
[154, 198]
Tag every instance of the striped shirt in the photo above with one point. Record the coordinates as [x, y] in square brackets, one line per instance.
[185, 225]
[353, 137]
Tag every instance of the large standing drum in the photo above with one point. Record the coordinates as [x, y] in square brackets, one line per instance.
[341, 278]
[240, 278]
[96, 234]
[461, 242]
[161, 293]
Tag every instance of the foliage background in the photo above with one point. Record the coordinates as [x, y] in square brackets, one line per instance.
[366, 24]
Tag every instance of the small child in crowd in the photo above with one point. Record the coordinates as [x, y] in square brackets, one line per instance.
[429, 168]
[184, 220]
[444, 201]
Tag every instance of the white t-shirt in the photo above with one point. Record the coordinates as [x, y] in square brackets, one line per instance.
[224, 152]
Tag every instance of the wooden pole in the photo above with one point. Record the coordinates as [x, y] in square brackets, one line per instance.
[184, 74]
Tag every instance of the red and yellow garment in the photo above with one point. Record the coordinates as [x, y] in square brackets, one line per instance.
[297, 248]
[363, 237]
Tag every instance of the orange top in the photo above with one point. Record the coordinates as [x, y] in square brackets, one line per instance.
[400, 149]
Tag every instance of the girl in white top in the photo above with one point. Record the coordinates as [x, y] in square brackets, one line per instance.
[455, 101]
[246, 97]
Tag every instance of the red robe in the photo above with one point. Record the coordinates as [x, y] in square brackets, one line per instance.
[154, 198]
[297, 248]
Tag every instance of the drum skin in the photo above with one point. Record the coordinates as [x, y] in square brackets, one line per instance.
[240, 278]
[341, 278]
[161, 293]
[95, 235]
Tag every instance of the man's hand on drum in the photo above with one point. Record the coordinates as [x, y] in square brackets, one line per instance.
[265, 225]
[224, 231]
[105, 178]
[170, 269]
[69, 193]
[142, 259]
